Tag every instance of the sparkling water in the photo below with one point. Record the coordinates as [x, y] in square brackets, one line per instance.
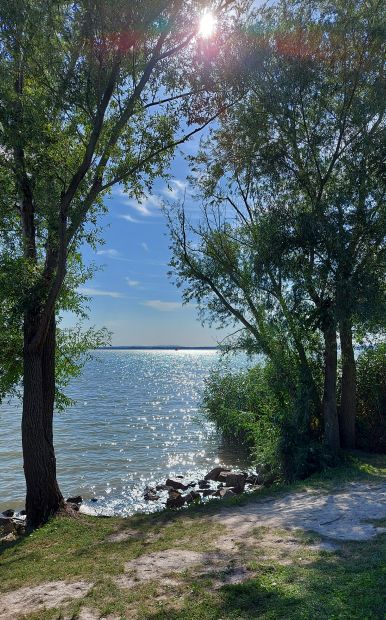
[136, 420]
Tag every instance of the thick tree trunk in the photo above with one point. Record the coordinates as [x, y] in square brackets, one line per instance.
[330, 413]
[348, 403]
[43, 497]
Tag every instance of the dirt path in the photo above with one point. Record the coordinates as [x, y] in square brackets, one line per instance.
[347, 514]
[343, 515]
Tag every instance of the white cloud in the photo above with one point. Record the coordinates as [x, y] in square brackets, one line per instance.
[145, 246]
[97, 292]
[175, 190]
[141, 207]
[108, 252]
[145, 206]
[163, 306]
[128, 218]
[131, 282]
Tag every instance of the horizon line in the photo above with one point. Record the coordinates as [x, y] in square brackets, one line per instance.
[156, 346]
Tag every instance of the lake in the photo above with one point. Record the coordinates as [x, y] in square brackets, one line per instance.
[136, 420]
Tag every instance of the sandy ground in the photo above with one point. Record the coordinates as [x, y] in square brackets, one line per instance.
[345, 515]
[45, 596]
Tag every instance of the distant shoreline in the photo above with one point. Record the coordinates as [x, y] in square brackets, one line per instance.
[156, 348]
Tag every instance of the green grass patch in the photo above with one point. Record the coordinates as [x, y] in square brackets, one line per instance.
[288, 576]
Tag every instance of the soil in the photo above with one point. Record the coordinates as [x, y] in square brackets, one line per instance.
[347, 514]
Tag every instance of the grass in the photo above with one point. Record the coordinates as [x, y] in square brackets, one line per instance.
[288, 576]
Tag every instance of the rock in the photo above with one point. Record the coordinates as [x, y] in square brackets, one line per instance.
[269, 479]
[222, 476]
[8, 538]
[7, 526]
[179, 477]
[150, 494]
[214, 473]
[264, 476]
[176, 484]
[207, 492]
[175, 501]
[8, 513]
[20, 528]
[74, 507]
[163, 487]
[226, 492]
[93, 499]
[5, 520]
[203, 484]
[23, 513]
[192, 497]
[231, 479]
[77, 499]
[252, 479]
[151, 497]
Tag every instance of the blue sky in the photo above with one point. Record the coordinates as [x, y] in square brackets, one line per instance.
[132, 295]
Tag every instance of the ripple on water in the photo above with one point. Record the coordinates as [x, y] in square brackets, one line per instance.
[136, 420]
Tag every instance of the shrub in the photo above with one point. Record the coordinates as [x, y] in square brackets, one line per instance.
[256, 408]
[371, 392]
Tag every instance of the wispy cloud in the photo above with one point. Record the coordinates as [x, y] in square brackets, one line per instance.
[175, 190]
[163, 306]
[146, 206]
[145, 246]
[108, 252]
[97, 292]
[131, 282]
[128, 218]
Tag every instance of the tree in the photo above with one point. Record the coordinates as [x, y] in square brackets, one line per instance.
[92, 94]
[300, 159]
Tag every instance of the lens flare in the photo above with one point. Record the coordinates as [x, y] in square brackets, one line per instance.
[207, 25]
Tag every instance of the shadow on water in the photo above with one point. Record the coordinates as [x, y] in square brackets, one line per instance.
[236, 454]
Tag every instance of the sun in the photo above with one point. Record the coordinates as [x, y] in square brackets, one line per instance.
[207, 25]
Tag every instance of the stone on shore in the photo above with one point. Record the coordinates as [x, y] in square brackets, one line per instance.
[215, 473]
[192, 497]
[231, 479]
[150, 494]
[227, 492]
[77, 499]
[8, 513]
[176, 484]
[203, 484]
[175, 501]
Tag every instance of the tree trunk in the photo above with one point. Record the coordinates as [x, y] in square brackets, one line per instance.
[330, 414]
[43, 495]
[348, 403]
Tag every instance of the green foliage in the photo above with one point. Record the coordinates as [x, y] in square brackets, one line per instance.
[290, 245]
[91, 95]
[280, 429]
[74, 349]
[371, 393]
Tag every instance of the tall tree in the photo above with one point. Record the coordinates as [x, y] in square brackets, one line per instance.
[92, 94]
[304, 150]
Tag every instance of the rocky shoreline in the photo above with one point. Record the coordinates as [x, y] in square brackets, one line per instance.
[218, 483]
[175, 492]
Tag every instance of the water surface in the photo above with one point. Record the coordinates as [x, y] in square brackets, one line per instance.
[136, 420]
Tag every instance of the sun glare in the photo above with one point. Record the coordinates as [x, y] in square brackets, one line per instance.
[207, 25]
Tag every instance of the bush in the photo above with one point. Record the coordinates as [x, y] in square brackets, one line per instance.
[371, 392]
[256, 408]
